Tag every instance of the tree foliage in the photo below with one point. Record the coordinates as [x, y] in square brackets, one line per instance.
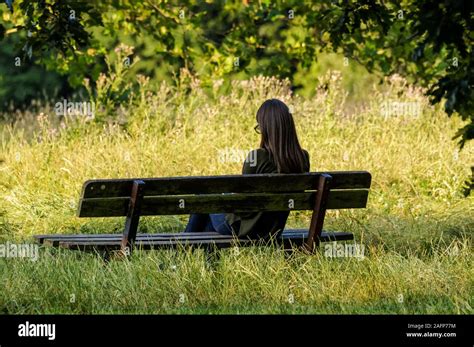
[429, 42]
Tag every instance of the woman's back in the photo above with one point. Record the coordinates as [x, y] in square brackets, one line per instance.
[279, 152]
[260, 224]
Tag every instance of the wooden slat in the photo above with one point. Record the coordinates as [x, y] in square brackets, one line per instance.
[220, 203]
[42, 238]
[54, 239]
[154, 244]
[289, 238]
[260, 183]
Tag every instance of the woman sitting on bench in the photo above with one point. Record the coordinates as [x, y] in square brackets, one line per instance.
[279, 152]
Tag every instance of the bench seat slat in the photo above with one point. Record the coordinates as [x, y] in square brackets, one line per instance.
[41, 238]
[288, 233]
[50, 238]
[143, 237]
[152, 241]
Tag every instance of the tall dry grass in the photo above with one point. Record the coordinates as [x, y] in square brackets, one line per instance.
[417, 228]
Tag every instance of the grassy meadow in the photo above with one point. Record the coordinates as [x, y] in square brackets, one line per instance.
[417, 229]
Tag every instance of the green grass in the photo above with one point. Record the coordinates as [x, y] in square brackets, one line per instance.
[417, 229]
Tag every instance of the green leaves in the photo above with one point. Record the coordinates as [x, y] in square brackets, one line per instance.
[53, 27]
[428, 42]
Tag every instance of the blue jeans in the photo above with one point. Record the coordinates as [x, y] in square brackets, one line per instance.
[203, 222]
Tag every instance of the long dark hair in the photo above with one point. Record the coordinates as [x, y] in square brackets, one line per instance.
[279, 136]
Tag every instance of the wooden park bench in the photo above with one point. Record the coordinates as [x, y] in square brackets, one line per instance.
[133, 198]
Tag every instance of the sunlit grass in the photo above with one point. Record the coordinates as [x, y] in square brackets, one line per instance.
[417, 228]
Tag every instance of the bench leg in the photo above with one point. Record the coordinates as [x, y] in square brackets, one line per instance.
[319, 212]
[133, 217]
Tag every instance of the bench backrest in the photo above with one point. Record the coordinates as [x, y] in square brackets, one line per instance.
[207, 194]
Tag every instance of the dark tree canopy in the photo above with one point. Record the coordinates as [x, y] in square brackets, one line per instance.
[428, 42]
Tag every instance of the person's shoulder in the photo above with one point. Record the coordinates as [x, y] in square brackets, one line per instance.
[258, 161]
[259, 152]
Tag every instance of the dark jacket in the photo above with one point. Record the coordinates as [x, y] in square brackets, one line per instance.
[257, 225]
